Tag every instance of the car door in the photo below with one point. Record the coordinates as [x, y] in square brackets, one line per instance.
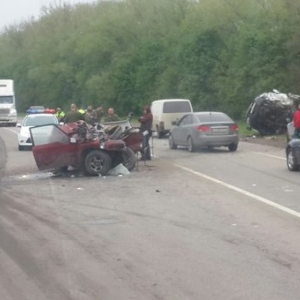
[181, 131]
[52, 148]
[186, 129]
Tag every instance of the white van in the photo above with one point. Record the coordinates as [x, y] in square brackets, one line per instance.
[167, 112]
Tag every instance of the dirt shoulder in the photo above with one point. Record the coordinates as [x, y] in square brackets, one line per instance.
[278, 141]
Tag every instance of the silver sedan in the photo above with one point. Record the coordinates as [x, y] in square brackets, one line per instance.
[205, 129]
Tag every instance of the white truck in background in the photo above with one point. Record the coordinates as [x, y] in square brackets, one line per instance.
[8, 112]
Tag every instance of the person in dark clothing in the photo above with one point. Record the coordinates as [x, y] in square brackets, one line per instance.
[146, 128]
[90, 116]
[99, 113]
[73, 115]
[296, 121]
[111, 116]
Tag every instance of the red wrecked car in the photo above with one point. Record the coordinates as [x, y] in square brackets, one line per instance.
[78, 145]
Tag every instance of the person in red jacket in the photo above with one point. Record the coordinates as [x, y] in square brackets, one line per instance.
[146, 129]
[296, 121]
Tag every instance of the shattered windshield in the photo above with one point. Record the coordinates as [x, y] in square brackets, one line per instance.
[6, 99]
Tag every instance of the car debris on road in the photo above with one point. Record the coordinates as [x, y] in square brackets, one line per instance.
[269, 113]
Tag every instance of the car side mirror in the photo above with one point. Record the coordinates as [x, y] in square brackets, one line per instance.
[73, 140]
[18, 125]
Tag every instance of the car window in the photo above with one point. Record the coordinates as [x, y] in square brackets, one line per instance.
[40, 120]
[182, 121]
[213, 117]
[176, 107]
[6, 99]
[189, 120]
[47, 135]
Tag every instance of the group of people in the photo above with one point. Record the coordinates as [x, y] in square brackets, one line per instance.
[92, 116]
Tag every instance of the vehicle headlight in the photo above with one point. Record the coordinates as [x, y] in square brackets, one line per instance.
[25, 132]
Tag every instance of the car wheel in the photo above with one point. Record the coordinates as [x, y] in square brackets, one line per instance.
[172, 144]
[233, 147]
[97, 162]
[190, 144]
[129, 159]
[290, 160]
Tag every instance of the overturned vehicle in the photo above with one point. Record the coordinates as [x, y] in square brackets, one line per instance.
[269, 113]
[91, 149]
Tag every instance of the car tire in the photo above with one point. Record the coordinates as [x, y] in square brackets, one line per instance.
[97, 162]
[172, 144]
[190, 144]
[129, 159]
[290, 160]
[233, 147]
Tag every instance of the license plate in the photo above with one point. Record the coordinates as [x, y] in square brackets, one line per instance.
[220, 130]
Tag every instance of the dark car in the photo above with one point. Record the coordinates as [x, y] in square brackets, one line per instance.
[55, 148]
[269, 113]
[35, 110]
[205, 129]
[293, 154]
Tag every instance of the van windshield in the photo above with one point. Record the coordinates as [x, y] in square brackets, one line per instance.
[176, 107]
[6, 100]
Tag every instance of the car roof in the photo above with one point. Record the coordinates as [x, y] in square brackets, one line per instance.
[39, 115]
[170, 100]
[208, 112]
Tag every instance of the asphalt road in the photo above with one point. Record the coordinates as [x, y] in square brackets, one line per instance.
[205, 225]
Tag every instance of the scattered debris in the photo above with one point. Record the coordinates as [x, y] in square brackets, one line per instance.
[119, 170]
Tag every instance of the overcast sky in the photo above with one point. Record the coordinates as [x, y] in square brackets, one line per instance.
[16, 11]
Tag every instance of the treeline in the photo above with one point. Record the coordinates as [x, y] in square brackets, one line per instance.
[220, 54]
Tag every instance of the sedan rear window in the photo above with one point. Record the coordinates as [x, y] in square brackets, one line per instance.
[213, 117]
[177, 107]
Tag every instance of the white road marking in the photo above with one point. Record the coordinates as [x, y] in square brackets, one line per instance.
[241, 191]
[270, 155]
[11, 130]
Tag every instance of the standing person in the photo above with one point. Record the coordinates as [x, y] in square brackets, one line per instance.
[73, 115]
[60, 114]
[99, 113]
[111, 116]
[90, 116]
[296, 121]
[146, 129]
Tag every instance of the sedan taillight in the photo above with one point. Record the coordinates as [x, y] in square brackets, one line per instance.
[233, 127]
[202, 128]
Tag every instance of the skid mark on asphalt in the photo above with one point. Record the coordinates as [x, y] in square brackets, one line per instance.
[241, 191]
[271, 156]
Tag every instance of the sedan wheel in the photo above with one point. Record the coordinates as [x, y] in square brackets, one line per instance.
[172, 145]
[290, 160]
[232, 147]
[190, 145]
